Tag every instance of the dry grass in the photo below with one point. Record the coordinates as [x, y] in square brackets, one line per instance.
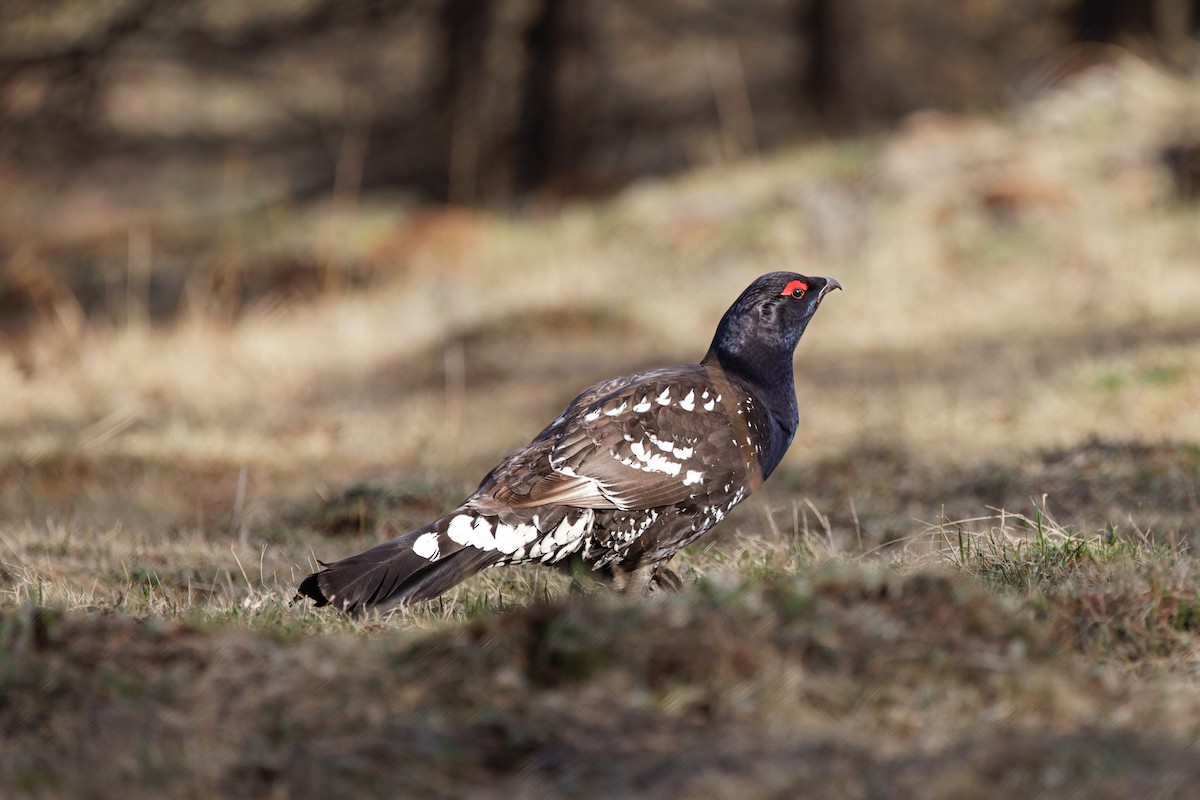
[973, 575]
[842, 680]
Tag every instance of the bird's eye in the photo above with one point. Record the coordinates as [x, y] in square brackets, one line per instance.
[795, 289]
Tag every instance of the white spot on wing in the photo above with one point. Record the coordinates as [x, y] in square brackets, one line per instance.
[654, 462]
[663, 464]
[664, 398]
[571, 547]
[612, 412]
[710, 405]
[643, 405]
[688, 403]
[693, 477]
[567, 530]
[510, 538]
[566, 538]
[459, 529]
[426, 546]
[592, 416]
[481, 535]
[665, 445]
[682, 452]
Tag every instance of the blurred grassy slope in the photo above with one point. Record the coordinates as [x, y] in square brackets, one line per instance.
[1019, 318]
[1012, 285]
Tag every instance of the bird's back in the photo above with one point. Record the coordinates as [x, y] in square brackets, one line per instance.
[657, 458]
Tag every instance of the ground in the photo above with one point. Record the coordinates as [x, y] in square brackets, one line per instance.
[973, 575]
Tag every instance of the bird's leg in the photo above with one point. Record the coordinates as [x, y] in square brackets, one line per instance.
[666, 580]
[640, 581]
[634, 582]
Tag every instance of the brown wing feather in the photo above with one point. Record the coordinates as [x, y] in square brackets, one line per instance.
[636, 447]
[560, 489]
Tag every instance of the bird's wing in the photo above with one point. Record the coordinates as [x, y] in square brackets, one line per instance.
[650, 442]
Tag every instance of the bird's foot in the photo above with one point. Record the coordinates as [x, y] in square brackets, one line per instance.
[665, 580]
[642, 580]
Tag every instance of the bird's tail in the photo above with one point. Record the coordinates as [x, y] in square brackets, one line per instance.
[416, 566]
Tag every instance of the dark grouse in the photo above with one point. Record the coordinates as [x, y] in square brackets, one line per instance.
[634, 469]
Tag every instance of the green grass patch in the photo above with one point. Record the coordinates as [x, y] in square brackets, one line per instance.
[1124, 598]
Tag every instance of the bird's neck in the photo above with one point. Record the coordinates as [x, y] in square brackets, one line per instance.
[769, 377]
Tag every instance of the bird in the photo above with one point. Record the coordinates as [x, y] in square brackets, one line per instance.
[635, 469]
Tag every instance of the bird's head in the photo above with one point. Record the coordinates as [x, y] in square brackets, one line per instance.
[769, 318]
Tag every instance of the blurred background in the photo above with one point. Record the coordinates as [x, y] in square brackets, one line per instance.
[251, 253]
[162, 151]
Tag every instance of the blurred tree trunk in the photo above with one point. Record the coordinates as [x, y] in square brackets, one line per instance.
[1161, 27]
[832, 29]
[1106, 20]
[558, 92]
[465, 25]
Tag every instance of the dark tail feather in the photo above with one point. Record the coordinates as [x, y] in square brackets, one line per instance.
[390, 574]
